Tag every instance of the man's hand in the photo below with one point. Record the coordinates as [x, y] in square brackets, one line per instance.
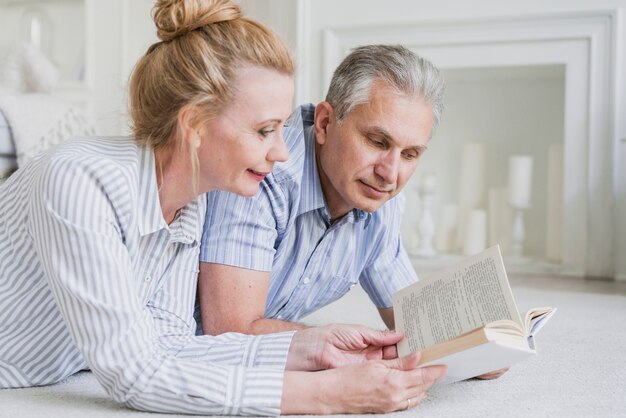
[493, 375]
[334, 346]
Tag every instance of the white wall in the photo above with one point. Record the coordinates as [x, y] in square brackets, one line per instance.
[117, 32]
[315, 17]
[60, 41]
[512, 113]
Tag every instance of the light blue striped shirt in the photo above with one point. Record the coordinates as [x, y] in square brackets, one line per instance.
[91, 276]
[286, 229]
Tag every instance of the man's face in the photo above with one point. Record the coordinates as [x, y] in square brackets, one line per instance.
[368, 158]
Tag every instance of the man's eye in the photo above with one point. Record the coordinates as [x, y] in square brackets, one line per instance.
[377, 143]
[410, 155]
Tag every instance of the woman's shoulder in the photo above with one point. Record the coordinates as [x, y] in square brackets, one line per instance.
[102, 147]
[108, 161]
[97, 152]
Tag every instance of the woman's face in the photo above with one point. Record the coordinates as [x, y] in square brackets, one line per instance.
[239, 147]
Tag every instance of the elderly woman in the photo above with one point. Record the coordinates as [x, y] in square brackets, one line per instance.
[99, 242]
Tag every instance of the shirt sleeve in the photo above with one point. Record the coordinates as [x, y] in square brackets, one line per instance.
[75, 224]
[389, 268]
[242, 231]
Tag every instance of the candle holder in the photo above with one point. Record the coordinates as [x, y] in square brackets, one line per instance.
[426, 224]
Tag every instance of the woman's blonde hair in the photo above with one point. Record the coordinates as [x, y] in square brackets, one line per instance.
[203, 43]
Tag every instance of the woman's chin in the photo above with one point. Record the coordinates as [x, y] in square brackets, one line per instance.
[248, 190]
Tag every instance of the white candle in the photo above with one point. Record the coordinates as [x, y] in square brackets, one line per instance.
[475, 232]
[429, 182]
[471, 184]
[520, 179]
[499, 218]
[35, 31]
[446, 230]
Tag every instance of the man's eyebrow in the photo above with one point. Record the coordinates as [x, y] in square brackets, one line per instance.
[377, 130]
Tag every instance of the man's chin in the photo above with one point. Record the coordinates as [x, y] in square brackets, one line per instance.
[371, 205]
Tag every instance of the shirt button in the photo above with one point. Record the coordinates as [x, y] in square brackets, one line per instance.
[352, 286]
[279, 317]
[306, 280]
[147, 278]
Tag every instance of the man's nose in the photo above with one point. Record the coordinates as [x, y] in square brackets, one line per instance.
[387, 167]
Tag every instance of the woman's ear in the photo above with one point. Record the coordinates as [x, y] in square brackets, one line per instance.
[324, 115]
[187, 125]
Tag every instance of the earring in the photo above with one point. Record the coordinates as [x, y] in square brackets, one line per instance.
[196, 141]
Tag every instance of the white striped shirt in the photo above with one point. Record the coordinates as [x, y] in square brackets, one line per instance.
[91, 276]
[286, 229]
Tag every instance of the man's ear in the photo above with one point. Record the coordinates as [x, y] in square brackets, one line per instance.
[324, 115]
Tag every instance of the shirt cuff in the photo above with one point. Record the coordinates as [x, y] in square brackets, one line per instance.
[257, 389]
[256, 392]
[269, 350]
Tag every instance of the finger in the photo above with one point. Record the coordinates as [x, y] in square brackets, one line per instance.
[390, 352]
[413, 398]
[433, 373]
[404, 405]
[382, 338]
[424, 377]
[417, 398]
[404, 363]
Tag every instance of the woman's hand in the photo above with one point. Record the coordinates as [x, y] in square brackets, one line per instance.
[338, 345]
[376, 386]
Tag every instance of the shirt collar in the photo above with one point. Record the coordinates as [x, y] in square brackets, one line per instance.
[311, 195]
[184, 228]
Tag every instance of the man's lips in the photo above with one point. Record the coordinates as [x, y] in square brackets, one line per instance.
[374, 191]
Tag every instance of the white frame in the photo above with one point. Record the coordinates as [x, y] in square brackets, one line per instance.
[585, 43]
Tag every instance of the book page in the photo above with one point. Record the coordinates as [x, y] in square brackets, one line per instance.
[536, 318]
[454, 301]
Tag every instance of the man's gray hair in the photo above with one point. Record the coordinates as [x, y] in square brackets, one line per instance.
[396, 66]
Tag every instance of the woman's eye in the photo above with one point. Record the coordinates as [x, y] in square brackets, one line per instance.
[265, 132]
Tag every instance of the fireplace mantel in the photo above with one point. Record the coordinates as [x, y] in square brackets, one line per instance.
[587, 38]
[584, 44]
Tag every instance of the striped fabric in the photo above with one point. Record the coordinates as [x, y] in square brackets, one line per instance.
[286, 229]
[91, 276]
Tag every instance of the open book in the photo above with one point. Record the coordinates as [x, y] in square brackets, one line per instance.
[465, 317]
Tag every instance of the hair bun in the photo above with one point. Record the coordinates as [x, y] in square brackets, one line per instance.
[174, 18]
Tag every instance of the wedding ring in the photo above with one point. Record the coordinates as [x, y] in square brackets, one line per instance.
[408, 403]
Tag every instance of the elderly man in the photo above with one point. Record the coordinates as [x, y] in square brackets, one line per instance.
[329, 217]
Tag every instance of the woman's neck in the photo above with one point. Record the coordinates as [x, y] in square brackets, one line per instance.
[174, 181]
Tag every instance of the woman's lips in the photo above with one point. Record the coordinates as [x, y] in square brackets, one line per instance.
[257, 175]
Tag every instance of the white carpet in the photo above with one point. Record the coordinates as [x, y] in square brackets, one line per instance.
[580, 370]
